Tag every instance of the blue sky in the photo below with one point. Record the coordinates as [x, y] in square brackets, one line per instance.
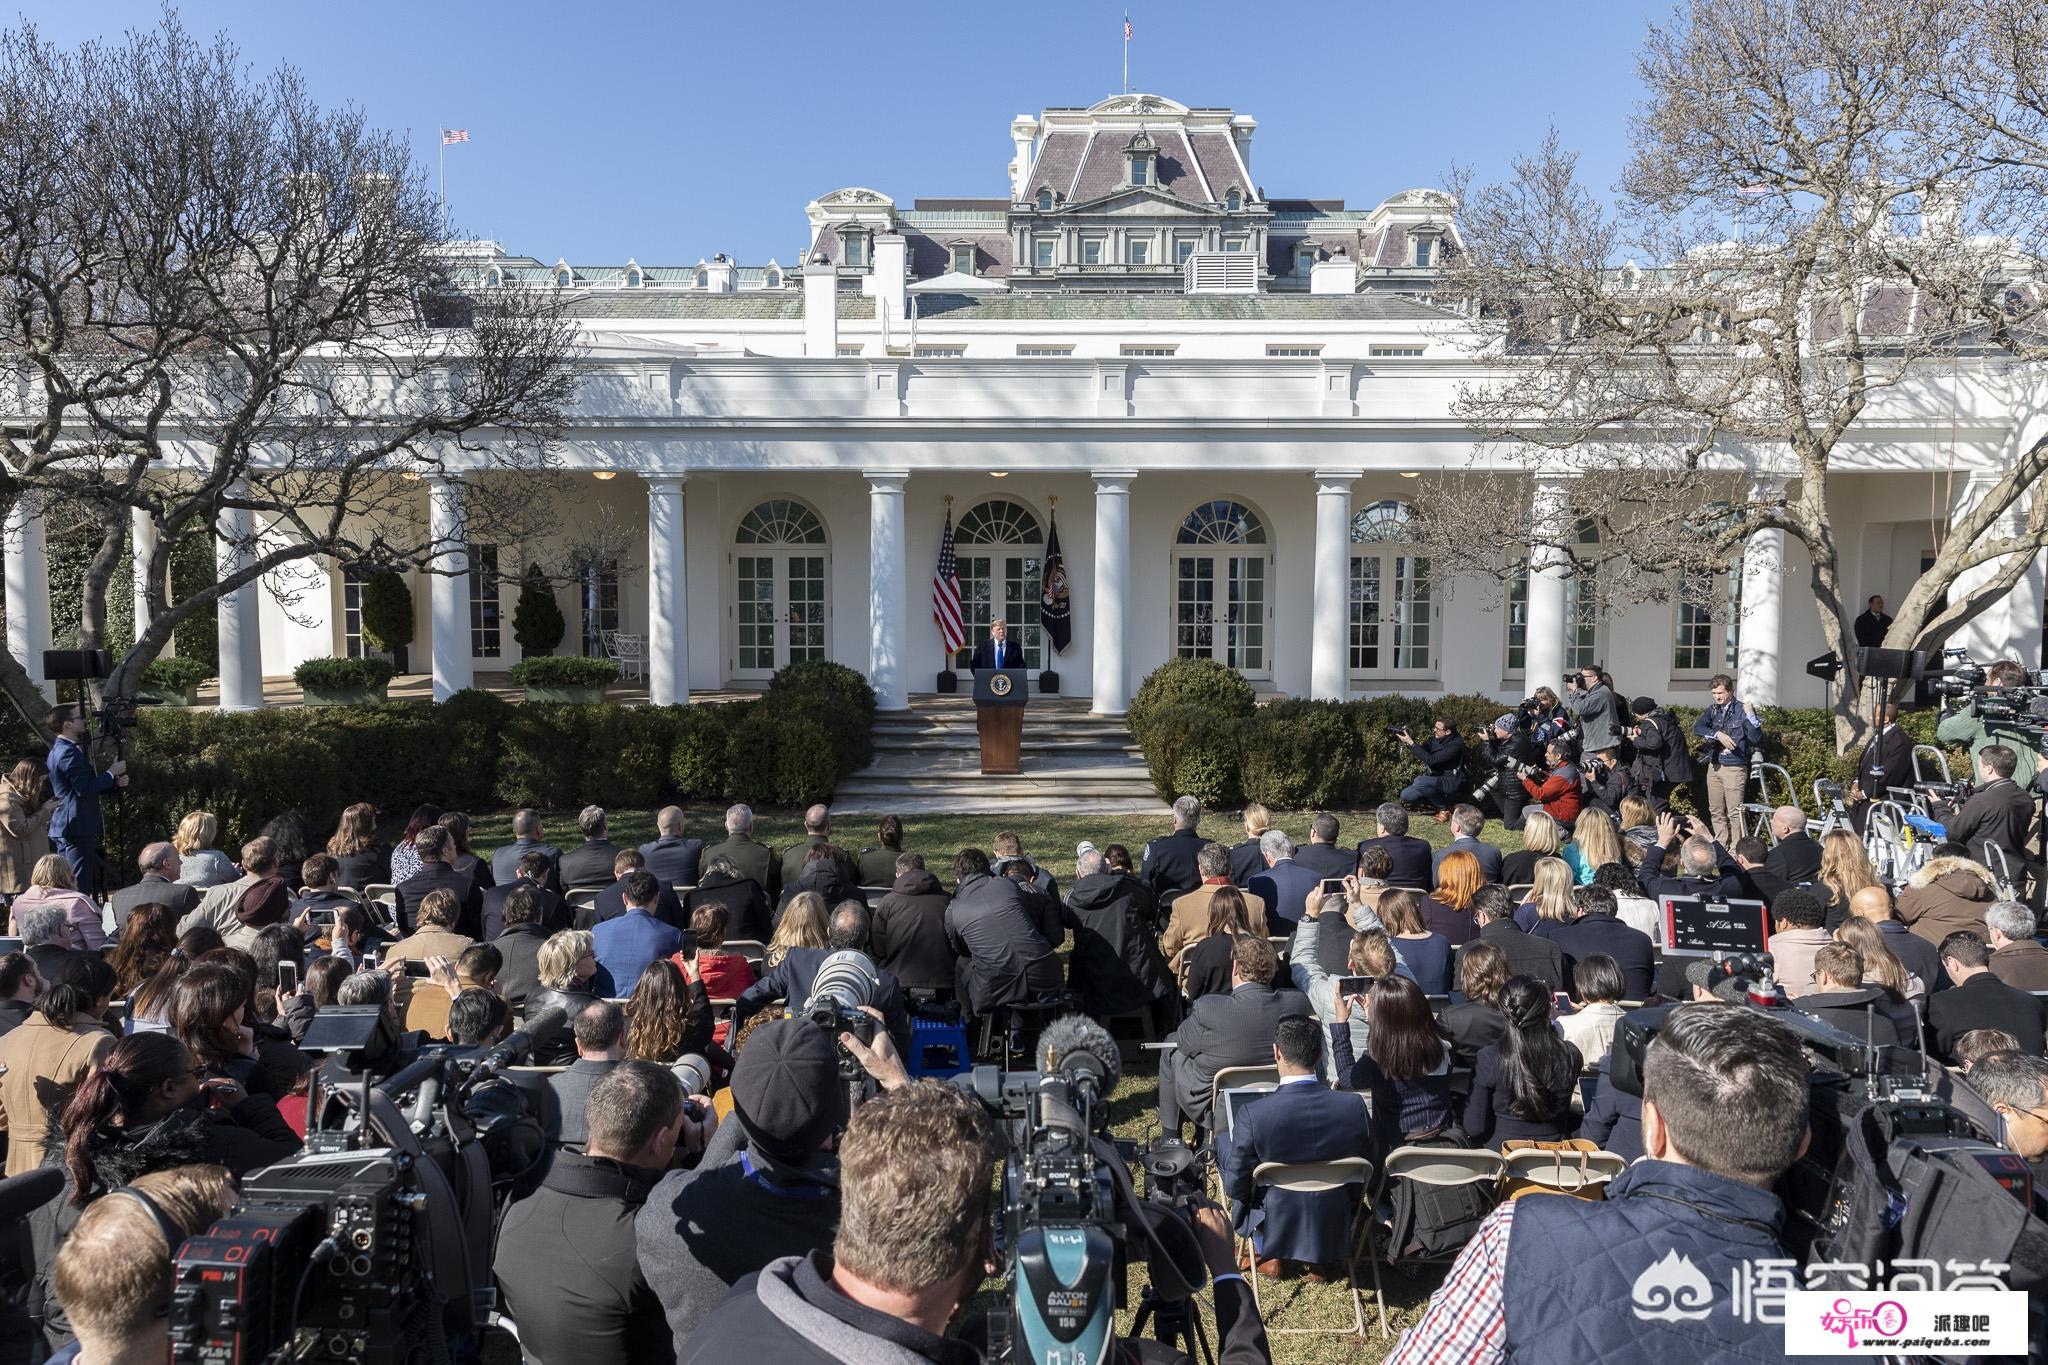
[667, 132]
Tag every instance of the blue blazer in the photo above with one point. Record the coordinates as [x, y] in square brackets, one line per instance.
[1301, 1121]
[626, 945]
[76, 785]
[1285, 887]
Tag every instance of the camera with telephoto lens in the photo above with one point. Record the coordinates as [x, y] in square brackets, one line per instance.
[845, 982]
[374, 1243]
[1071, 1217]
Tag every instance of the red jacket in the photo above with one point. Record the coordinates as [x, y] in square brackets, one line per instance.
[1557, 794]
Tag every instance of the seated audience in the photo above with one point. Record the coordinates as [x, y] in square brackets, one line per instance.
[434, 934]
[1427, 956]
[319, 895]
[594, 861]
[1548, 906]
[1322, 854]
[63, 1039]
[241, 907]
[320, 989]
[1006, 851]
[1705, 869]
[1844, 871]
[672, 857]
[2015, 1085]
[1595, 843]
[880, 865]
[1405, 1068]
[19, 987]
[435, 849]
[1597, 930]
[611, 901]
[1224, 1030]
[1600, 986]
[1542, 837]
[1246, 860]
[1631, 906]
[1839, 998]
[724, 975]
[1366, 952]
[801, 925]
[1040, 907]
[566, 970]
[1004, 959]
[668, 1016]
[1527, 955]
[754, 860]
[47, 937]
[1187, 921]
[1948, 894]
[113, 1275]
[1978, 1000]
[1411, 856]
[790, 978]
[1207, 966]
[796, 859]
[1284, 885]
[1919, 957]
[1522, 1086]
[146, 943]
[1448, 909]
[1116, 966]
[566, 1260]
[1301, 1121]
[531, 874]
[1884, 973]
[744, 902]
[159, 865]
[200, 864]
[360, 859]
[910, 925]
[599, 1032]
[1466, 824]
[1796, 936]
[1476, 1021]
[2017, 958]
[51, 884]
[627, 943]
[519, 946]
[527, 837]
[478, 1018]
[1979, 1043]
[1724, 1115]
[1169, 866]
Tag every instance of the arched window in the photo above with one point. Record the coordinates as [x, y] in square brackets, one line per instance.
[1393, 605]
[564, 278]
[1044, 200]
[1233, 201]
[633, 277]
[780, 521]
[496, 278]
[1222, 523]
[998, 521]
[774, 278]
[703, 279]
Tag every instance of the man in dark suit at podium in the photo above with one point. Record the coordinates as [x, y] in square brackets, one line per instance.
[997, 651]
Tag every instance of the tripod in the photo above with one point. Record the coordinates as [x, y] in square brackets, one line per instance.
[1178, 1325]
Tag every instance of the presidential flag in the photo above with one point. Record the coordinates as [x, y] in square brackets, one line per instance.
[1055, 611]
[946, 592]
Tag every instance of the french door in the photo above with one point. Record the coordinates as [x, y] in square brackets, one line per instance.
[1008, 588]
[1222, 610]
[780, 610]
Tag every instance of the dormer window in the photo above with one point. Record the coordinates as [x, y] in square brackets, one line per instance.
[1422, 243]
[496, 279]
[633, 277]
[963, 260]
[1138, 158]
[1304, 260]
[703, 278]
[854, 248]
[1044, 200]
[564, 277]
[1233, 202]
[1422, 251]
[773, 279]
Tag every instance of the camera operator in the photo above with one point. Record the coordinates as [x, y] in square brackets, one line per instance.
[566, 1260]
[1999, 813]
[1545, 717]
[1661, 763]
[1724, 1114]
[114, 1274]
[1732, 733]
[1965, 726]
[914, 1243]
[1506, 745]
[1603, 782]
[75, 786]
[850, 931]
[1442, 756]
[2016, 1087]
[1555, 786]
[1597, 709]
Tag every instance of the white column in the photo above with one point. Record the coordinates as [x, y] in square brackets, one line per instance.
[1543, 650]
[1757, 635]
[1112, 589]
[241, 641]
[668, 598]
[448, 534]
[1329, 676]
[888, 645]
[28, 589]
[2000, 631]
[142, 550]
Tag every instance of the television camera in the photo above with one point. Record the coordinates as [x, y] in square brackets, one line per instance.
[373, 1244]
[2022, 707]
[1071, 1216]
[1893, 1171]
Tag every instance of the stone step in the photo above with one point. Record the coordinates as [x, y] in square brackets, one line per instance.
[928, 759]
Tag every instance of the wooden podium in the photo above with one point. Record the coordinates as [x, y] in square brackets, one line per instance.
[999, 697]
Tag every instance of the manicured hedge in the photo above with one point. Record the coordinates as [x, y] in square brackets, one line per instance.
[175, 673]
[564, 670]
[338, 674]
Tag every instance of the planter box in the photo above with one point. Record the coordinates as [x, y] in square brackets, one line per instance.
[170, 696]
[343, 696]
[585, 695]
[949, 681]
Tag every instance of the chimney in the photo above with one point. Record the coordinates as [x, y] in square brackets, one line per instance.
[1337, 275]
[821, 307]
[719, 275]
[1241, 129]
[1023, 129]
[892, 260]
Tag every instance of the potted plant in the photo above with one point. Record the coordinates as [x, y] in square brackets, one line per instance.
[174, 681]
[387, 616]
[342, 682]
[569, 677]
[537, 622]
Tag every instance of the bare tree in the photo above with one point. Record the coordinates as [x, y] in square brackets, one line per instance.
[1827, 232]
[217, 299]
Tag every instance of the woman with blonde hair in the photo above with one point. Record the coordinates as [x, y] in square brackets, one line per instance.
[1542, 837]
[1638, 821]
[802, 926]
[1550, 898]
[25, 811]
[1245, 860]
[566, 967]
[1595, 842]
[52, 884]
[204, 865]
[1844, 870]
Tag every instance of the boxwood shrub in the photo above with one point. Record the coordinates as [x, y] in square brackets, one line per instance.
[1201, 683]
[564, 670]
[1196, 751]
[339, 674]
[176, 673]
[1301, 754]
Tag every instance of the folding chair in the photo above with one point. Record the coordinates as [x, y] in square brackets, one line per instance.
[1520, 891]
[1319, 1177]
[583, 897]
[380, 893]
[752, 949]
[1231, 1078]
[1562, 1171]
[1443, 1167]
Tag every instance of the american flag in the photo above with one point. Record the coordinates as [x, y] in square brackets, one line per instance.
[946, 592]
[449, 135]
[1127, 28]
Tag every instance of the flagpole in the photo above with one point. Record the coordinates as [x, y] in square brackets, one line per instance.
[1127, 52]
[441, 136]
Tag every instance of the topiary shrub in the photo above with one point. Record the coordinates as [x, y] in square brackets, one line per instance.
[806, 769]
[839, 699]
[564, 670]
[1197, 751]
[387, 612]
[537, 621]
[756, 752]
[175, 674]
[1201, 683]
[342, 675]
[1301, 755]
[701, 761]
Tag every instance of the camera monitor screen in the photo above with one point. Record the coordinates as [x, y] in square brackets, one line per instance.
[1695, 925]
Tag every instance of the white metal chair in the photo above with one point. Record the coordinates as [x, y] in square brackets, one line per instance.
[583, 897]
[629, 652]
[1320, 1177]
[1774, 789]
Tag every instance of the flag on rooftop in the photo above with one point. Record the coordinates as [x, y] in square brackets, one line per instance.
[449, 135]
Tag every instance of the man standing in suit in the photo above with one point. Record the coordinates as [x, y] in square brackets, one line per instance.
[1886, 762]
[438, 874]
[1322, 855]
[1466, 822]
[1169, 866]
[1302, 1121]
[1285, 886]
[1411, 856]
[997, 651]
[76, 786]
[1224, 1030]
[526, 838]
[1872, 624]
[673, 859]
[591, 863]
[626, 943]
[751, 858]
[1795, 858]
[1980, 1000]
[550, 911]
[159, 865]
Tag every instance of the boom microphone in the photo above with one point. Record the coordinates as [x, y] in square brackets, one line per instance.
[1076, 1043]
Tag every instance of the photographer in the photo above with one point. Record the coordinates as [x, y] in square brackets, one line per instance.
[1602, 780]
[1965, 726]
[914, 1243]
[1661, 763]
[1732, 734]
[1724, 1115]
[1442, 755]
[1554, 786]
[1597, 708]
[1506, 746]
[75, 787]
[1999, 813]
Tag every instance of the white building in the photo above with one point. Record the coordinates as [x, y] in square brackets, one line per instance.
[1224, 398]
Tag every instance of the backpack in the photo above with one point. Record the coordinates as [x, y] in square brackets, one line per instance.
[1433, 1221]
